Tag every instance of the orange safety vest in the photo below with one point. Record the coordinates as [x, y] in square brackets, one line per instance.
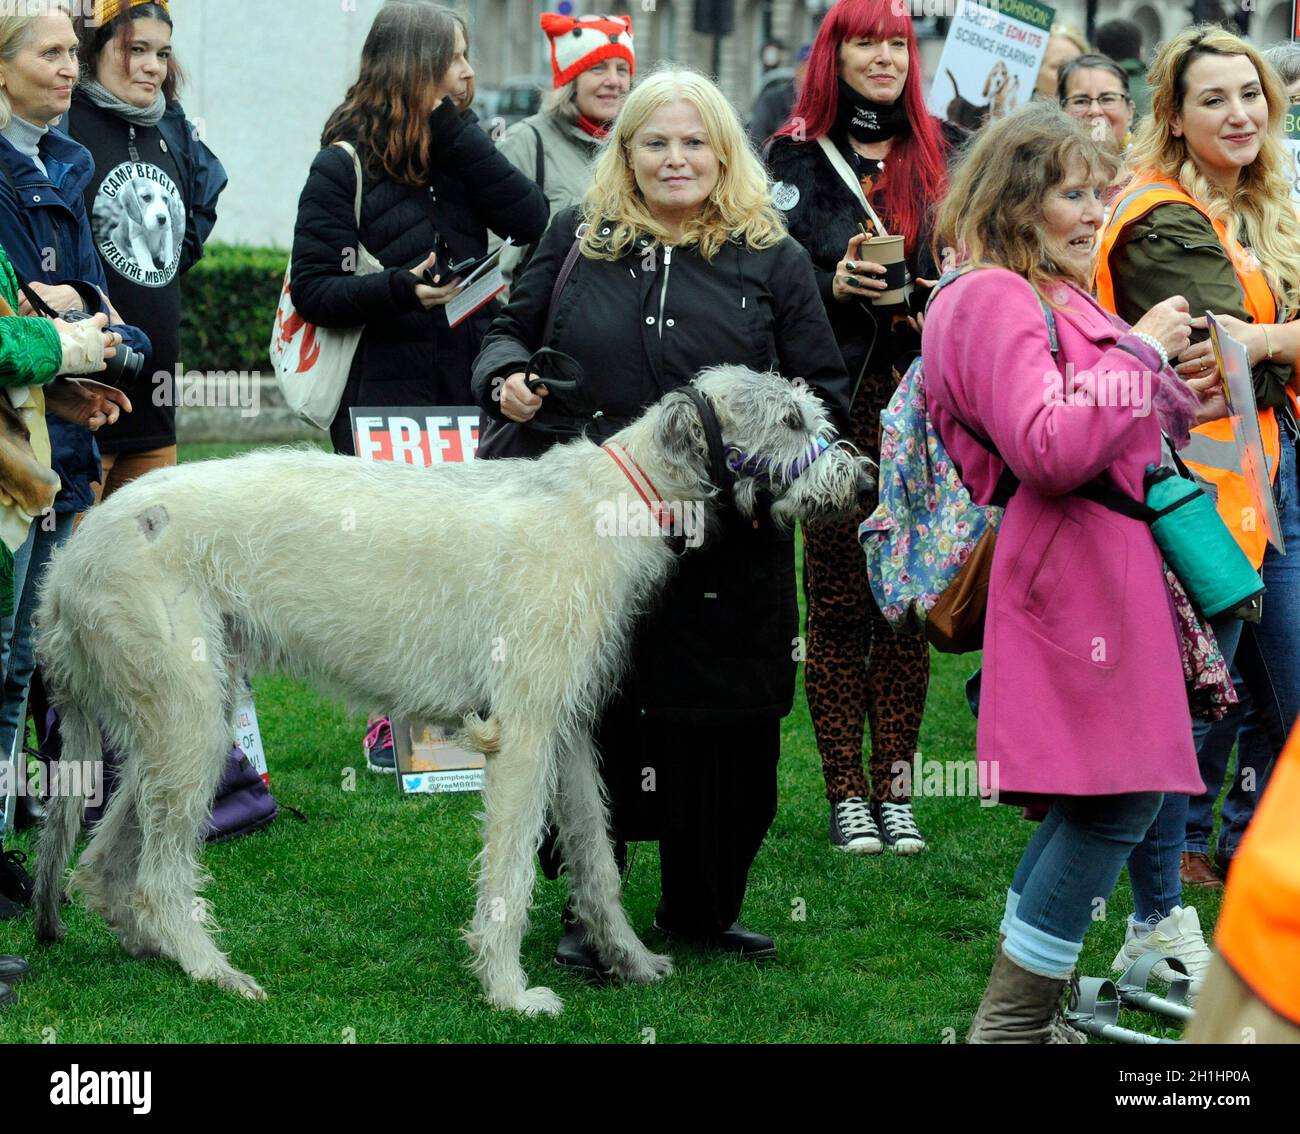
[1212, 452]
[1259, 923]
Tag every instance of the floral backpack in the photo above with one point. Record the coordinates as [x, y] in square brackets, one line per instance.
[929, 546]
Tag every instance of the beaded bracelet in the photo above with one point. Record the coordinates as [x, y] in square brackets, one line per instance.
[1156, 345]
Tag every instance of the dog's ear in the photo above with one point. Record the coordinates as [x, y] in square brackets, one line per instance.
[679, 435]
[997, 79]
[133, 207]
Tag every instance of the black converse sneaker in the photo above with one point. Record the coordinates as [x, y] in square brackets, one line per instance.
[898, 827]
[853, 829]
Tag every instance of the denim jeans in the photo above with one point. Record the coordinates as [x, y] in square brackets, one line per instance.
[1271, 671]
[1075, 858]
[16, 660]
[1258, 734]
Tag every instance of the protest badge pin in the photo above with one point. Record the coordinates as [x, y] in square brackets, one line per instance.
[785, 196]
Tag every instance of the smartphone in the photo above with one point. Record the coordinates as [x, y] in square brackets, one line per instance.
[440, 268]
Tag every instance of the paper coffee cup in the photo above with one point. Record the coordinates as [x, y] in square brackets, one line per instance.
[888, 252]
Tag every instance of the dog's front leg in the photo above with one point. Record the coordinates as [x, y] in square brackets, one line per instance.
[582, 821]
[515, 798]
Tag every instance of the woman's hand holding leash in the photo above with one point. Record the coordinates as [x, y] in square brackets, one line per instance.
[519, 403]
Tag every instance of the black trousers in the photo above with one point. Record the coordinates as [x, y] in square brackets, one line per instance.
[706, 793]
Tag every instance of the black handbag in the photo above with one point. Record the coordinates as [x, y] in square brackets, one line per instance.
[499, 438]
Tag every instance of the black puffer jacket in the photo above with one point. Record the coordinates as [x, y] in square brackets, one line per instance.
[720, 645]
[823, 212]
[407, 356]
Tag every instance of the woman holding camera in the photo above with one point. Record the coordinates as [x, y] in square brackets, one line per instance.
[32, 353]
[860, 133]
[431, 179]
[152, 204]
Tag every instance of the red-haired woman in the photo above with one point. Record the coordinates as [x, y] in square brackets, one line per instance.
[860, 130]
[432, 178]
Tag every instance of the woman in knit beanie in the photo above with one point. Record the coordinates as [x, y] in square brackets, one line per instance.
[592, 63]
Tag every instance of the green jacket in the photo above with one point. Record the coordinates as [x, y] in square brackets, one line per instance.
[1173, 251]
[30, 353]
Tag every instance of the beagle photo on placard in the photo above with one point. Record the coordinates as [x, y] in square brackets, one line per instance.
[139, 223]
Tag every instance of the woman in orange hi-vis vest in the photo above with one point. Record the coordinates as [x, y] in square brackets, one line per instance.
[1206, 214]
[1252, 994]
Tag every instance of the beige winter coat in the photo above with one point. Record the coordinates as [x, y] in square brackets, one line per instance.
[568, 154]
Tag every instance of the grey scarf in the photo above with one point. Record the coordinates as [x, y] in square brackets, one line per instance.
[101, 96]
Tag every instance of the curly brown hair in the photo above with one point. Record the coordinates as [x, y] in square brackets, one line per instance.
[386, 111]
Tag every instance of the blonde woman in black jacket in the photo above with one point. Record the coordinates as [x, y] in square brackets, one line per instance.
[684, 265]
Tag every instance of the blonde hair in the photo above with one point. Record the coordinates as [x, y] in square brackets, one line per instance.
[562, 102]
[740, 207]
[15, 31]
[1262, 195]
[993, 214]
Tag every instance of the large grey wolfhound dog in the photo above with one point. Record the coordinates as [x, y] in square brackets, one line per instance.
[485, 596]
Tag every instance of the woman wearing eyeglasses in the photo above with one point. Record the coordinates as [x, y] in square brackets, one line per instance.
[1095, 89]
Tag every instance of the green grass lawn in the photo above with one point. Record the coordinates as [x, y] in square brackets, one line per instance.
[351, 920]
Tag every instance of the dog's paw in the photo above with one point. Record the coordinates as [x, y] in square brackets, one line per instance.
[241, 983]
[538, 1001]
[644, 967]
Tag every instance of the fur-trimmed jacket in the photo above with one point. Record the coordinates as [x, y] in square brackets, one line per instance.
[822, 212]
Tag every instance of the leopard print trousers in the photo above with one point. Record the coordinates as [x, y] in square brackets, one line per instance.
[856, 665]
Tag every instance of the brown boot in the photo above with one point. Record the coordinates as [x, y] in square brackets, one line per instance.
[1018, 1006]
[1196, 870]
[1062, 1030]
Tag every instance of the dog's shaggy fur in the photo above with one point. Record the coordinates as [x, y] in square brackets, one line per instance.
[480, 596]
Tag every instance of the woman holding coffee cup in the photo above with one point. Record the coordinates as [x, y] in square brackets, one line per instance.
[859, 156]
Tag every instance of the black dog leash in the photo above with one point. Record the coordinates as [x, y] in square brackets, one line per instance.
[719, 474]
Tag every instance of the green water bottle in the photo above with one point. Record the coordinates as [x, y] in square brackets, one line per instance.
[1197, 544]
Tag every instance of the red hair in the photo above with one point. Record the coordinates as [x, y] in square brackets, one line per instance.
[916, 163]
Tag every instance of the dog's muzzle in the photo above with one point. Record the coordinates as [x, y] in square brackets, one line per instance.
[740, 464]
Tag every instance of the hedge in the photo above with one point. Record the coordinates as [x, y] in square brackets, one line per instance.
[229, 302]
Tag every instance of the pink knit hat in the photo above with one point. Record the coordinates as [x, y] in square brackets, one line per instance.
[579, 42]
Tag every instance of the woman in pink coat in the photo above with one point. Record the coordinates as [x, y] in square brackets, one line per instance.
[1083, 711]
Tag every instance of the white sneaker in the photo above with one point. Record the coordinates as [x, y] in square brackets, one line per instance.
[898, 827]
[1179, 935]
[853, 828]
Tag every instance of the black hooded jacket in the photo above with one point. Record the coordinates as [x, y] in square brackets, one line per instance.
[719, 646]
[822, 212]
